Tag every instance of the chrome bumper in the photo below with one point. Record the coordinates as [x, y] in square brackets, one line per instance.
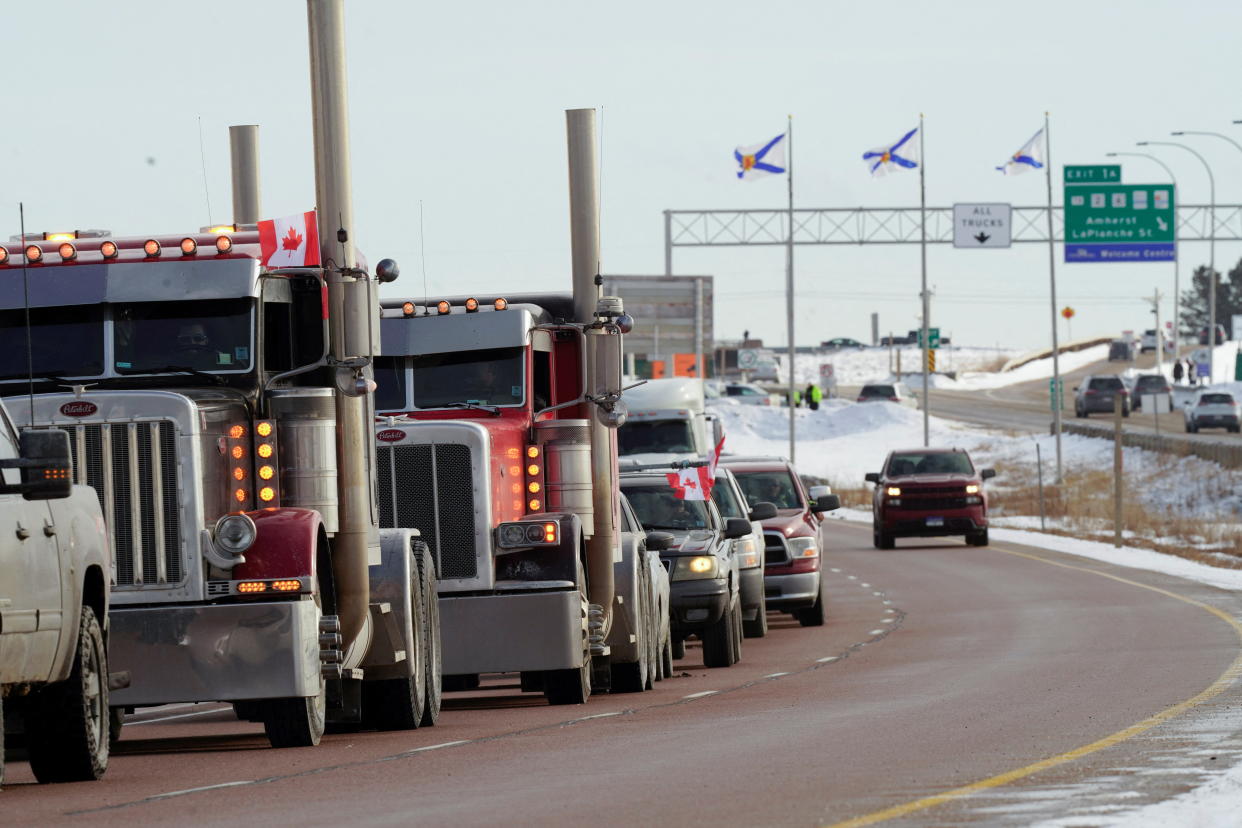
[215, 652]
[512, 631]
[789, 591]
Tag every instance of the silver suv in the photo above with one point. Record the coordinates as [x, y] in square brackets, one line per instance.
[54, 577]
[1212, 409]
[1099, 394]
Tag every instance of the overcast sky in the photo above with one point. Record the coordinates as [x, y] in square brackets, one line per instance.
[460, 106]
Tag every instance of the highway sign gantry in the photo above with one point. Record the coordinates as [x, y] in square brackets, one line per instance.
[1107, 221]
[982, 225]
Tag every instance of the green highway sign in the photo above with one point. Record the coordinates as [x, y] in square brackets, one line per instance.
[1093, 174]
[1119, 222]
[933, 338]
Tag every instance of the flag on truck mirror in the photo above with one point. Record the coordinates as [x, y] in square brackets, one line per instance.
[291, 241]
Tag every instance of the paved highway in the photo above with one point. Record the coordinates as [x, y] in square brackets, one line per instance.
[951, 685]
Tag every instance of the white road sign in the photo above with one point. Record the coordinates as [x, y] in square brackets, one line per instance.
[982, 225]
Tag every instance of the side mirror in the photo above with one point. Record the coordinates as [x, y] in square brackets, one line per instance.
[816, 491]
[873, 477]
[826, 503]
[659, 541]
[45, 463]
[763, 511]
[737, 528]
[987, 474]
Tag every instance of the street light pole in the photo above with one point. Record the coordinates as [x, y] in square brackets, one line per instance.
[1211, 255]
[1177, 295]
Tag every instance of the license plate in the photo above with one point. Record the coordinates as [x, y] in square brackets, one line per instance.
[935, 521]
[1107, 399]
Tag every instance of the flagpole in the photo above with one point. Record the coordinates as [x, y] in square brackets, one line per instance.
[1052, 282]
[789, 292]
[923, 293]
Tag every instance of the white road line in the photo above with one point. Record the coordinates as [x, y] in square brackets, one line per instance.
[877, 632]
[597, 716]
[775, 675]
[834, 569]
[436, 747]
[888, 602]
[891, 610]
[701, 695]
[171, 794]
[877, 594]
[886, 620]
[827, 659]
[852, 577]
[865, 586]
[178, 716]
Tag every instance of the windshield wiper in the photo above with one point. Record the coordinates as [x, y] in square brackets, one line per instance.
[490, 409]
[177, 369]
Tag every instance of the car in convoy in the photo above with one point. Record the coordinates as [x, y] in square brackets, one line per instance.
[793, 539]
[728, 497]
[704, 578]
[929, 492]
[1149, 340]
[1220, 335]
[840, 343]
[1212, 409]
[1099, 393]
[640, 655]
[1120, 350]
[1145, 384]
[897, 392]
[54, 574]
[744, 393]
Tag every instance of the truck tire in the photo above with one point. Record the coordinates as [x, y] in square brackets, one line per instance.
[399, 703]
[759, 627]
[116, 721]
[295, 722]
[571, 685]
[666, 657]
[718, 646]
[677, 649]
[979, 538]
[737, 631]
[882, 539]
[812, 616]
[67, 722]
[634, 677]
[435, 678]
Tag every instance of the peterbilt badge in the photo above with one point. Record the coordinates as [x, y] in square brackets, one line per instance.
[78, 408]
[391, 435]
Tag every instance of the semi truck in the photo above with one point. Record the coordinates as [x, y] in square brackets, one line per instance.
[497, 441]
[221, 410]
[666, 422]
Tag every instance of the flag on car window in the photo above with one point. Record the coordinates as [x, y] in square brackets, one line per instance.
[904, 153]
[1029, 157]
[760, 160]
[291, 241]
[691, 484]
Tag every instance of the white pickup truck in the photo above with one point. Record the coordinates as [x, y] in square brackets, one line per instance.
[54, 580]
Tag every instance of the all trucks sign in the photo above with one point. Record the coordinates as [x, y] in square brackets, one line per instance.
[982, 225]
[1113, 222]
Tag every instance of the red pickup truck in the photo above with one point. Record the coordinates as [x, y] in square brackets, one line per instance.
[929, 492]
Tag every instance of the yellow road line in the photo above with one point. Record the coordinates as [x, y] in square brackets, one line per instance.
[1215, 689]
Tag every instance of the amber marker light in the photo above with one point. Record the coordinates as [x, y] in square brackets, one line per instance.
[188, 247]
[532, 452]
[238, 452]
[533, 487]
[67, 252]
[34, 253]
[109, 250]
[532, 470]
[472, 305]
[250, 587]
[240, 495]
[224, 244]
[443, 307]
[500, 304]
[264, 429]
[236, 431]
[534, 504]
[267, 494]
[286, 586]
[4, 255]
[264, 450]
[151, 248]
[239, 473]
[267, 473]
[549, 532]
[407, 308]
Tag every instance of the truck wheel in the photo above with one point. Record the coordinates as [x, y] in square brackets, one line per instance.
[67, 723]
[435, 679]
[759, 627]
[399, 703]
[737, 631]
[295, 722]
[883, 540]
[677, 649]
[718, 641]
[633, 677]
[666, 657]
[116, 721]
[571, 685]
[979, 538]
[812, 616]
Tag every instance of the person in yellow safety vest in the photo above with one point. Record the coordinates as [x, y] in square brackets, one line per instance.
[797, 400]
[815, 396]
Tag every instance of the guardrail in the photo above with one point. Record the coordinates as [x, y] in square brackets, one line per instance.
[1227, 454]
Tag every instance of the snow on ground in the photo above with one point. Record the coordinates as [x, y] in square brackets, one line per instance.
[844, 440]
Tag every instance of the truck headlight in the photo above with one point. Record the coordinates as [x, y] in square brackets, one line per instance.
[696, 568]
[235, 533]
[802, 548]
[747, 556]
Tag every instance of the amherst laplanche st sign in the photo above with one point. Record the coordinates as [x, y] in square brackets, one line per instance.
[982, 225]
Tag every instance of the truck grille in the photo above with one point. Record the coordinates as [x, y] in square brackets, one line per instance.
[133, 469]
[430, 488]
[774, 549]
[933, 502]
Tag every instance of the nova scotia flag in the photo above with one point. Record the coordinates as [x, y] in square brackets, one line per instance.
[1030, 157]
[761, 160]
[904, 153]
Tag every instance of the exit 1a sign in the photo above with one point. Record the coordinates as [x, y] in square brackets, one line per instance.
[1093, 174]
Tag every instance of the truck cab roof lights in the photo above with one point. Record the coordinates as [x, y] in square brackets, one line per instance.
[59, 236]
[151, 248]
[188, 246]
[34, 253]
[443, 307]
[472, 305]
[224, 244]
[500, 304]
[67, 251]
[221, 228]
[407, 309]
[109, 250]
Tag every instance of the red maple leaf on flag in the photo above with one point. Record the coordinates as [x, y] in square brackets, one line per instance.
[291, 241]
[689, 484]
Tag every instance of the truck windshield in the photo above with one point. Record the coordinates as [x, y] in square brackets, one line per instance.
[214, 335]
[659, 508]
[774, 487]
[655, 437]
[65, 342]
[492, 376]
[929, 463]
[390, 384]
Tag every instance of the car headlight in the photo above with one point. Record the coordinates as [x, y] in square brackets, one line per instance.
[698, 567]
[802, 548]
[747, 556]
[893, 491]
[235, 534]
[972, 489]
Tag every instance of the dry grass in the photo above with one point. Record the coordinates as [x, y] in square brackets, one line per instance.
[992, 366]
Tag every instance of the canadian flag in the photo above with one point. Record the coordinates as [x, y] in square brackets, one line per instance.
[691, 484]
[715, 458]
[291, 241]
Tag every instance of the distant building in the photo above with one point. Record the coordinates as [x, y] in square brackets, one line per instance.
[664, 309]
